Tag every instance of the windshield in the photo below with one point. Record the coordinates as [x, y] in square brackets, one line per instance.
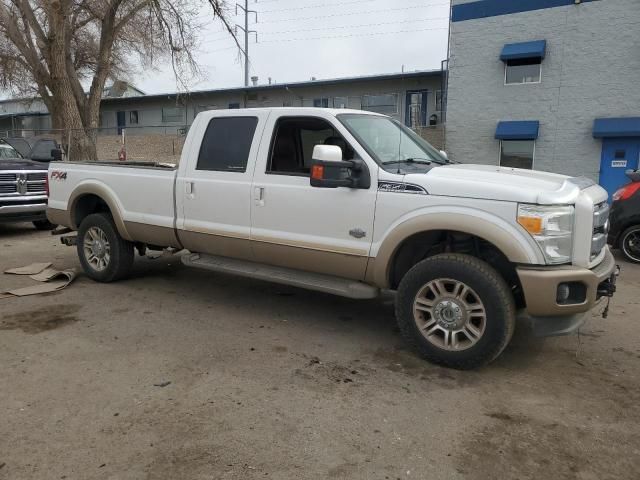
[395, 147]
[8, 152]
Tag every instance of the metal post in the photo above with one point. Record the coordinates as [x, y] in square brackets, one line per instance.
[246, 31]
[246, 43]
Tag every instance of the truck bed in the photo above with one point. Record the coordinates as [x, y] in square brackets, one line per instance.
[143, 191]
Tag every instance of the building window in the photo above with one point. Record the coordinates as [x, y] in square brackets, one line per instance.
[172, 115]
[321, 102]
[386, 104]
[517, 153]
[438, 100]
[527, 70]
[340, 102]
[133, 117]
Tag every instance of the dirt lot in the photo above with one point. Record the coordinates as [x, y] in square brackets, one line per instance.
[275, 382]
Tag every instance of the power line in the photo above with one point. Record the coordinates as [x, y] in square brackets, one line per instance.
[355, 26]
[317, 5]
[353, 13]
[353, 35]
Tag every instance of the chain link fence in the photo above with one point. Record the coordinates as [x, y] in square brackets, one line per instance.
[155, 143]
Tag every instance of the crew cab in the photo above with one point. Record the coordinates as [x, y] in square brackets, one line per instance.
[352, 203]
[23, 191]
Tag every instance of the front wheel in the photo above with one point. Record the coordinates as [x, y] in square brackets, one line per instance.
[105, 256]
[630, 243]
[456, 310]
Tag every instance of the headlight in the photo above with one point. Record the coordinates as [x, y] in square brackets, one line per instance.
[551, 227]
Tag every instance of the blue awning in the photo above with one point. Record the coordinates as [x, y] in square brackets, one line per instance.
[520, 130]
[616, 127]
[524, 50]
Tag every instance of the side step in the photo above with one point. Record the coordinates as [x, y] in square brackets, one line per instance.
[296, 278]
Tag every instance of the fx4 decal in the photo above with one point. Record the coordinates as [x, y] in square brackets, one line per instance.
[58, 175]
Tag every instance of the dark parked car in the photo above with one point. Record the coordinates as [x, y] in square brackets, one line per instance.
[23, 185]
[624, 230]
[40, 149]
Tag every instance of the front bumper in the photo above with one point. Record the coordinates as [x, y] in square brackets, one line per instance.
[540, 287]
[23, 209]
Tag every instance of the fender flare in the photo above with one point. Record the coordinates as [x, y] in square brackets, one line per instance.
[105, 193]
[508, 238]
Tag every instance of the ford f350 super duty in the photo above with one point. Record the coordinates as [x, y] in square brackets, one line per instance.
[351, 203]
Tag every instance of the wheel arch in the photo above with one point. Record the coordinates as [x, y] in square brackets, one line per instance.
[490, 229]
[90, 198]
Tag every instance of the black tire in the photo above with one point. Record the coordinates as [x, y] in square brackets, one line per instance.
[487, 286]
[43, 225]
[629, 243]
[121, 251]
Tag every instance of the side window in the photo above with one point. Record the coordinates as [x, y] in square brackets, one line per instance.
[293, 142]
[226, 144]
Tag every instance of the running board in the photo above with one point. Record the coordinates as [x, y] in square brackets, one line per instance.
[296, 278]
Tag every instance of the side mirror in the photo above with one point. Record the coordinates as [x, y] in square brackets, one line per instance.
[56, 155]
[444, 154]
[328, 170]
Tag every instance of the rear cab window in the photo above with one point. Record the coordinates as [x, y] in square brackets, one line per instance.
[226, 144]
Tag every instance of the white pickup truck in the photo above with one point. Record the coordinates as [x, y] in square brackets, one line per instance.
[352, 202]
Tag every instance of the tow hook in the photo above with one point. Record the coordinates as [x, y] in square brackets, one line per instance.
[607, 289]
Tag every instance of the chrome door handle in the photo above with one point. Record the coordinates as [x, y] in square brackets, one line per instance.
[188, 188]
[258, 196]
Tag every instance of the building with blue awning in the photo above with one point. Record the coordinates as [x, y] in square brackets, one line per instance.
[546, 84]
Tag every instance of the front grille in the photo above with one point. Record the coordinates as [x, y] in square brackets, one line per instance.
[37, 177]
[36, 187]
[8, 188]
[7, 177]
[600, 228]
[23, 183]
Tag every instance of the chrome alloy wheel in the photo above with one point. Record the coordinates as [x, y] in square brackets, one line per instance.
[97, 250]
[449, 314]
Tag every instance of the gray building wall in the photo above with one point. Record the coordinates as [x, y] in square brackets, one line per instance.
[591, 70]
[149, 108]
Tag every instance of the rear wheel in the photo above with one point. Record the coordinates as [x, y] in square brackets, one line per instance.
[456, 310]
[630, 243]
[105, 256]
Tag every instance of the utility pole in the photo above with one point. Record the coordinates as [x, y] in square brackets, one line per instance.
[246, 31]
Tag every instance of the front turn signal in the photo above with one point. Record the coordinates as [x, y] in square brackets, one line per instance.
[533, 225]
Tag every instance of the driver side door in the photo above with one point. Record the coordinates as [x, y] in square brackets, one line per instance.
[295, 225]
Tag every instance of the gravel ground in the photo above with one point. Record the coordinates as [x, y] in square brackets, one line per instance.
[184, 374]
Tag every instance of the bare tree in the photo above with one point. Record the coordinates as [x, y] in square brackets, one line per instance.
[56, 49]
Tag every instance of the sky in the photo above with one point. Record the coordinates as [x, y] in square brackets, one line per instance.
[300, 39]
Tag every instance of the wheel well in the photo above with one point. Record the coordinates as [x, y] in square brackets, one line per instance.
[86, 205]
[426, 244]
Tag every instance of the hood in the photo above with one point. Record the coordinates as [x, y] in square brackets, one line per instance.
[21, 164]
[501, 183]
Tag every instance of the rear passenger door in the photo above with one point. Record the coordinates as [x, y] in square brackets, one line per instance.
[213, 192]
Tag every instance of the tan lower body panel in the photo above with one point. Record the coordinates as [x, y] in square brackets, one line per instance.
[152, 234]
[311, 260]
[59, 217]
[213, 244]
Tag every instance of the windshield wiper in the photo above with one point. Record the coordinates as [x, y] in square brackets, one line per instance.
[421, 161]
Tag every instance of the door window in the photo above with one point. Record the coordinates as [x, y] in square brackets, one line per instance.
[293, 143]
[226, 144]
